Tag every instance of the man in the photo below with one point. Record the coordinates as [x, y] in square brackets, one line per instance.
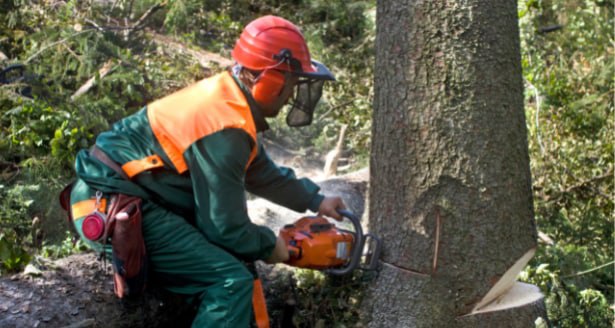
[191, 156]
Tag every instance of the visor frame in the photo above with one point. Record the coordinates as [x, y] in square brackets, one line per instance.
[321, 72]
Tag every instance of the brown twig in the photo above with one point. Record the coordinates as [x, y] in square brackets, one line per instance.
[344, 104]
[72, 52]
[588, 271]
[584, 183]
[94, 24]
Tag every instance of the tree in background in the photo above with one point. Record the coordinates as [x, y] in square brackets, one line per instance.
[568, 65]
[450, 176]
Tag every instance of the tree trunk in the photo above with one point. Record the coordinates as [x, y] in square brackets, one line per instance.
[450, 179]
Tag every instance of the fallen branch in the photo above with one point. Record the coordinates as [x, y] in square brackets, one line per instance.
[95, 25]
[56, 43]
[543, 237]
[102, 72]
[584, 183]
[127, 28]
[589, 271]
[204, 58]
[147, 14]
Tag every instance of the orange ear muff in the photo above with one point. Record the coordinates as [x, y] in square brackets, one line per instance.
[268, 87]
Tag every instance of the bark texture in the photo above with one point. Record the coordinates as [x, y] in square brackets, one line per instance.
[450, 191]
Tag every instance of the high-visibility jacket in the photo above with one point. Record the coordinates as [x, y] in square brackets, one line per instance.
[196, 152]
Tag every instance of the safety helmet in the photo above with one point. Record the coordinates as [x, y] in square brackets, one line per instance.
[276, 48]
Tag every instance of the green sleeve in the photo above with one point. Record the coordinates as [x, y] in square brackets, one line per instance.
[217, 169]
[279, 185]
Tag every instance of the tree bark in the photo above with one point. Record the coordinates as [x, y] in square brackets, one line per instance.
[450, 181]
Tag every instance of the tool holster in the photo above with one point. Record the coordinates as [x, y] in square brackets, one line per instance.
[129, 257]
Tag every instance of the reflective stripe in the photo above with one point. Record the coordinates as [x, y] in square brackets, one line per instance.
[137, 166]
[211, 105]
[85, 207]
[259, 305]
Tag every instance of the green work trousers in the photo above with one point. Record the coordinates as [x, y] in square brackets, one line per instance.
[187, 263]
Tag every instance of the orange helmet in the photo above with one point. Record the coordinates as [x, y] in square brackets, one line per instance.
[275, 47]
[273, 42]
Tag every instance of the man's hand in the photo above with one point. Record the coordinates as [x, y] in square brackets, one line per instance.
[280, 252]
[329, 207]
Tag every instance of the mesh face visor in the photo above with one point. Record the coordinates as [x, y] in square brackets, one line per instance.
[307, 94]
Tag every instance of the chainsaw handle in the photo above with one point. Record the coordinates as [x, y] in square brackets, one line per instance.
[357, 249]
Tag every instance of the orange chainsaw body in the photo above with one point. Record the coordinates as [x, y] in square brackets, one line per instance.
[316, 243]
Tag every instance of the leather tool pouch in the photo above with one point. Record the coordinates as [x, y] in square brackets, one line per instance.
[129, 258]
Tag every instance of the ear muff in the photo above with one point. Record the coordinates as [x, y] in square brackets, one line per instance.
[268, 87]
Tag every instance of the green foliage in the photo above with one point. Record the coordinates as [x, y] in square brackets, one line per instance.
[68, 247]
[12, 256]
[569, 75]
[14, 229]
[570, 305]
[64, 45]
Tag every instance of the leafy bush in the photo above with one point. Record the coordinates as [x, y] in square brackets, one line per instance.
[568, 64]
[15, 230]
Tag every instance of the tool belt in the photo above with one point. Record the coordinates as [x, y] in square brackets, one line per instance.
[121, 225]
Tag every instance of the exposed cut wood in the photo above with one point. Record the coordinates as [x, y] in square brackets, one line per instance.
[519, 294]
[522, 306]
[506, 282]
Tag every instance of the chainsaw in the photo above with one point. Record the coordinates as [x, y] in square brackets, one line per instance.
[315, 243]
